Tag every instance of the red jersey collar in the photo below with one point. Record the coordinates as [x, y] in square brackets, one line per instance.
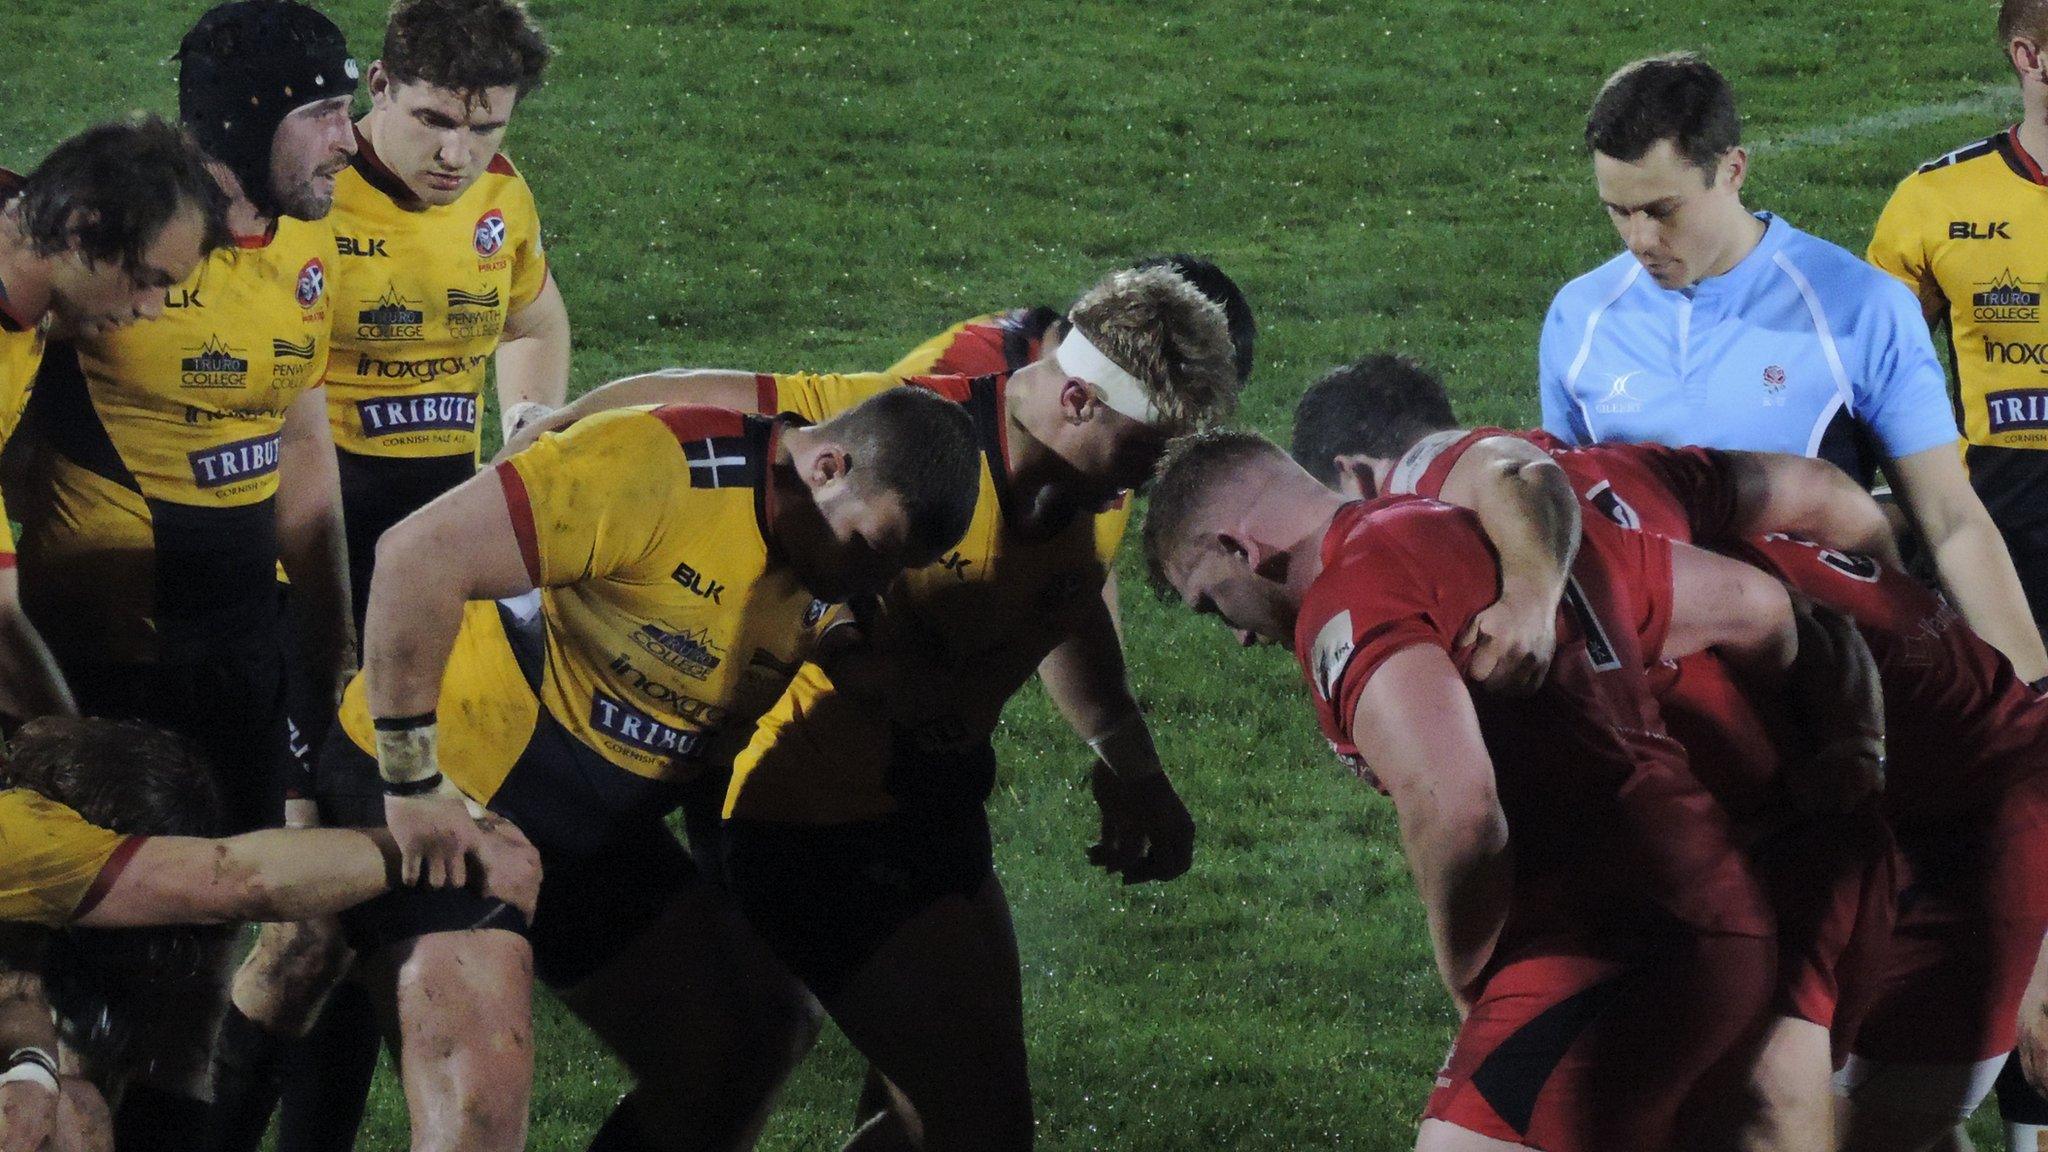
[2023, 163]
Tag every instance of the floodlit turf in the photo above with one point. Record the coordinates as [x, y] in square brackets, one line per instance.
[819, 185]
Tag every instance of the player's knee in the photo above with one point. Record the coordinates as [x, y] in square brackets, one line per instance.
[84, 1122]
[299, 962]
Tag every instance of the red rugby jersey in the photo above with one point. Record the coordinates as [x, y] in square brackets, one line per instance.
[1603, 812]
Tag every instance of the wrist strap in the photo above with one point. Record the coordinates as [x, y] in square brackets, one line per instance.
[407, 749]
[403, 723]
[1126, 749]
[32, 1065]
[418, 787]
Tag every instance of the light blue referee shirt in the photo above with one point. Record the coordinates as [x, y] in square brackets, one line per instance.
[1786, 352]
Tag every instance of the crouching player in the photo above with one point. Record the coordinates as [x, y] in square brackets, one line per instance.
[106, 825]
[685, 558]
[1591, 912]
[1384, 425]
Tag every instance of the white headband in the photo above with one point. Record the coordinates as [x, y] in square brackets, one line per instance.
[1120, 390]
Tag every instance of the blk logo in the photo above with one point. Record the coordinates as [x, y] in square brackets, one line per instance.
[1971, 230]
[699, 583]
[956, 564]
[350, 246]
[183, 298]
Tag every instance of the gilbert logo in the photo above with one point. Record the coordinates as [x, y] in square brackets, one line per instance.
[1618, 398]
[490, 233]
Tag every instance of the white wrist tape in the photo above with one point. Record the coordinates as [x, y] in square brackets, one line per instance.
[1126, 749]
[519, 415]
[1119, 389]
[32, 1065]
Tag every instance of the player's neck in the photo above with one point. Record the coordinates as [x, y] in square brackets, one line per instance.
[24, 276]
[2033, 129]
[1745, 232]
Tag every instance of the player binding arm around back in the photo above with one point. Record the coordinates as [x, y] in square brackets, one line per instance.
[110, 824]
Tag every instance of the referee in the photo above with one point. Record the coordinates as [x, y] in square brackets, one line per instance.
[1733, 329]
[1965, 234]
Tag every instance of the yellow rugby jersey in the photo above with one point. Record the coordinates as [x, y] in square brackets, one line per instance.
[21, 352]
[1967, 232]
[155, 496]
[995, 606]
[668, 622]
[421, 293]
[1000, 342]
[53, 865]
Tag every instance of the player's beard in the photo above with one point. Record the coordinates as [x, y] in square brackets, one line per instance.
[305, 201]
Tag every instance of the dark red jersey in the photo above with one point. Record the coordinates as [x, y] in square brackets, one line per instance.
[1728, 732]
[1603, 812]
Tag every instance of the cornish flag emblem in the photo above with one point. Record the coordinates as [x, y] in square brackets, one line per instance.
[312, 282]
[490, 233]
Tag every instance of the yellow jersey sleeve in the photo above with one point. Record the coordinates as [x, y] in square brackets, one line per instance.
[53, 865]
[21, 353]
[1110, 526]
[819, 398]
[1899, 245]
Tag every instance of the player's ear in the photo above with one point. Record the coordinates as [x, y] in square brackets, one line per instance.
[1077, 401]
[828, 462]
[1355, 477]
[1735, 167]
[379, 82]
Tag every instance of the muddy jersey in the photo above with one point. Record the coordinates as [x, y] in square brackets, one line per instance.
[21, 352]
[983, 618]
[53, 865]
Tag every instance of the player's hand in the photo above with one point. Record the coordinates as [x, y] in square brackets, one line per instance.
[1147, 833]
[1512, 643]
[2033, 1042]
[508, 863]
[435, 836]
[28, 1115]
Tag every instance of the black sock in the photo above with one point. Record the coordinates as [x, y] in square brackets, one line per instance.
[246, 1064]
[153, 1120]
[620, 1133]
[327, 1075]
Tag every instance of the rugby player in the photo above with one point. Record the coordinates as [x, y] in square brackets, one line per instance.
[1571, 864]
[88, 242]
[108, 826]
[858, 842]
[1735, 330]
[437, 273]
[181, 458]
[188, 453]
[1928, 1019]
[1959, 232]
[659, 631]
[1384, 425]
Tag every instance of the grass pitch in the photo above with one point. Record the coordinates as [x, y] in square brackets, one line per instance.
[820, 185]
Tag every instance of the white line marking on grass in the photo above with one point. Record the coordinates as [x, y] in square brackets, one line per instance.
[1988, 99]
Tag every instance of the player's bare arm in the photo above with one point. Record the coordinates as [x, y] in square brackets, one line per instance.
[287, 874]
[1147, 831]
[1809, 498]
[1415, 728]
[533, 360]
[30, 683]
[459, 548]
[719, 388]
[2033, 1042]
[1975, 566]
[1526, 505]
[1782, 642]
[311, 544]
[29, 1086]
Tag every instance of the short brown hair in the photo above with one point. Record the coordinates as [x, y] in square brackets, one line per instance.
[109, 191]
[1174, 340]
[121, 774]
[465, 46]
[2028, 18]
[920, 447]
[1192, 465]
[1677, 97]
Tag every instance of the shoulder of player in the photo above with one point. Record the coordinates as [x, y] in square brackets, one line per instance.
[1845, 282]
[23, 806]
[1590, 290]
[1954, 161]
[692, 422]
